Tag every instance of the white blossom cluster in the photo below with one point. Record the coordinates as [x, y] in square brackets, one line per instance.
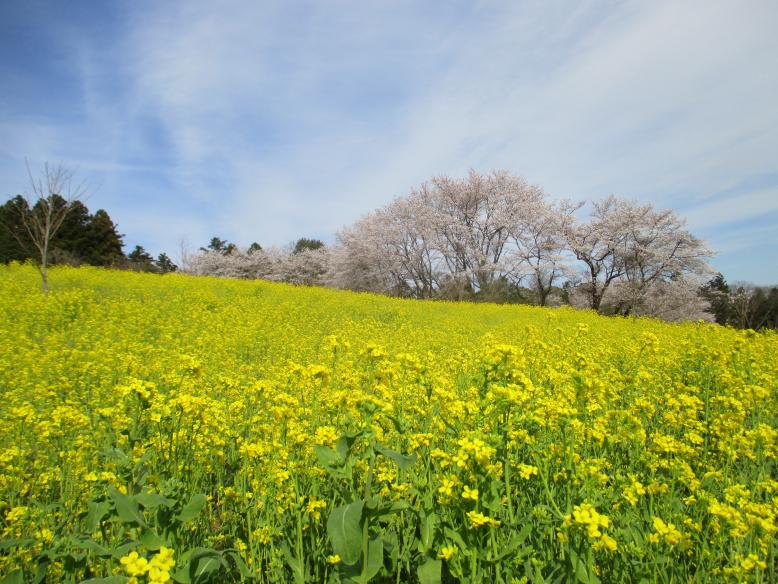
[488, 236]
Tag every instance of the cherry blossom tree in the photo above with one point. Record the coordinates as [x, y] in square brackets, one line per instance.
[634, 245]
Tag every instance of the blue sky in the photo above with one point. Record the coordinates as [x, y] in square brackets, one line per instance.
[269, 121]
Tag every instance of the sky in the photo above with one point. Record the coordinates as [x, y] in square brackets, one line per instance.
[270, 121]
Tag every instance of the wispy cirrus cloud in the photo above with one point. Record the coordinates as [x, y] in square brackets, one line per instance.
[273, 121]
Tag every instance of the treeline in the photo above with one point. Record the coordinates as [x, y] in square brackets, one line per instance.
[497, 238]
[82, 238]
[492, 237]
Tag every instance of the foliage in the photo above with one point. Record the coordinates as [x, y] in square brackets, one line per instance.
[742, 305]
[304, 244]
[307, 266]
[141, 260]
[221, 246]
[164, 264]
[82, 238]
[210, 430]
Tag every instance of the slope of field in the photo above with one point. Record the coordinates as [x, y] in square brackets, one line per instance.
[201, 430]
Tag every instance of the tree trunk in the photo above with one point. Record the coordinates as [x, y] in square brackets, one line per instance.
[44, 267]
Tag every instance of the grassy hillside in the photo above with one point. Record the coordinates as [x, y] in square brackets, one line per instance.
[213, 430]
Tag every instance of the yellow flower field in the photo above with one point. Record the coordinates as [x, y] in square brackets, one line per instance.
[158, 429]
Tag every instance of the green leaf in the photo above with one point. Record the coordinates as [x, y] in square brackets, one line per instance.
[455, 537]
[584, 574]
[126, 507]
[430, 571]
[151, 540]
[192, 508]
[16, 577]
[108, 580]
[122, 550]
[366, 571]
[344, 527]
[181, 576]
[95, 547]
[375, 558]
[345, 442]
[203, 563]
[9, 544]
[515, 542]
[327, 457]
[97, 511]
[240, 563]
[396, 507]
[403, 462]
[153, 500]
[427, 531]
[294, 563]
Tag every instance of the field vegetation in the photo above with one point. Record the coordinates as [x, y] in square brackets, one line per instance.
[192, 429]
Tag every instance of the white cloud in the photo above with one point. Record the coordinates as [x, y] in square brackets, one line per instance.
[733, 209]
[288, 120]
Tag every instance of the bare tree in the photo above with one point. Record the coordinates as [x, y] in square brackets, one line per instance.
[47, 203]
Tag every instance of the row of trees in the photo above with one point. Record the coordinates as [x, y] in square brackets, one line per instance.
[491, 237]
[51, 224]
[305, 262]
[497, 238]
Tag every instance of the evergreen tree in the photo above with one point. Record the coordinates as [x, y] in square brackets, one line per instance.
[15, 244]
[304, 243]
[141, 260]
[165, 264]
[70, 244]
[220, 245]
[104, 241]
[81, 238]
[718, 294]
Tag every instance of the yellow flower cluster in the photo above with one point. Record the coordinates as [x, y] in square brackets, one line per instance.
[587, 516]
[477, 431]
[156, 570]
[665, 532]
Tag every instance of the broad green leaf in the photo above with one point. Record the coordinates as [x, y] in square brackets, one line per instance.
[107, 580]
[375, 558]
[12, 543]
[366, 571]
[583, 574]
[192, 508]
[402, 461]
[203, 563]
[153, 500]
[345, 442]
[515, 542]
[97, 511]
[427, 531]
[377, 510]
[95, 547]
[240, 563]
[126, 507]
[122, 550]
[327, 457]
[151, 540]
[344, 527]
[430, 571]
[181, 576]
[294, 563]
